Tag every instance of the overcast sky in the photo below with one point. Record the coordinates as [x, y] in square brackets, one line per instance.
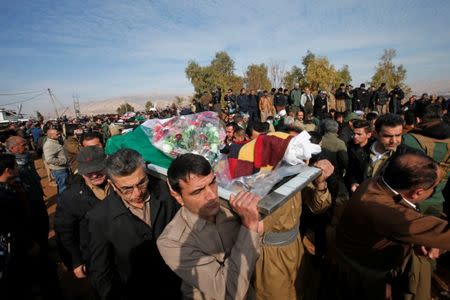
[100, 49]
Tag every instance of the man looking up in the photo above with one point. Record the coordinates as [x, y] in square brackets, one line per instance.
[210, 248]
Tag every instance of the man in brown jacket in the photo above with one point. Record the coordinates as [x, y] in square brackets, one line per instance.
[383, 242]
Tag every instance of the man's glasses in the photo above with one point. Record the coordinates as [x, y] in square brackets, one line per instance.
[128, 190]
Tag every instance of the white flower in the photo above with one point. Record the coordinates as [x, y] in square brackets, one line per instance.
[167, 148]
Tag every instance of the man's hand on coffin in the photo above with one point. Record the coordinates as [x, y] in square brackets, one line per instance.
[327, 169]
[245, 204]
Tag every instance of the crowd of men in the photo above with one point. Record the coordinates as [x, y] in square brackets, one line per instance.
[369, 227]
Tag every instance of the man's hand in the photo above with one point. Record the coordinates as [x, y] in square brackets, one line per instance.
[245, 205]
[354, 187]
[80, 271]
[432, 253]
[327, 169]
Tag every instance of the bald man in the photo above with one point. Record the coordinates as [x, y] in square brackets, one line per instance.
[31, 182]
[56, 159]
[383, 243]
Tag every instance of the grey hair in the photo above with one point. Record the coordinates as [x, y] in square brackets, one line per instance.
[123, 163]
[329, 125]
[13, 141]
[289, 121]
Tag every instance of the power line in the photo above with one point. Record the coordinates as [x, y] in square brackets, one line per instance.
[26, 100]
[19, 93]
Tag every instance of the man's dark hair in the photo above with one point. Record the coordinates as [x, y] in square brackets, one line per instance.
[233, 124]
[388, 120]
[7, 161]
[70, 129]
[185, 165]
[411, 171]
[371, 116]
[338, 114]
[362, 124]
[316, 137]
[87, 136]
[123, 163]
[261, 127]
[428, 112]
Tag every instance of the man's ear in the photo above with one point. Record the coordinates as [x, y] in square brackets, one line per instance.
[112, 184]
[415, 194]
[174, 194]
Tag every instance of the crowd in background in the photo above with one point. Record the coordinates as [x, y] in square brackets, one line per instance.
[360, 131]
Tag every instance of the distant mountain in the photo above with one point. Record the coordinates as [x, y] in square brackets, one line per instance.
[438, 87]
[110, 105]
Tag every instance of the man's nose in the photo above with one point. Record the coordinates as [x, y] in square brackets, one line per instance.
[211, 192]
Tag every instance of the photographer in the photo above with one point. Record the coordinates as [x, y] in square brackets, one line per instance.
[396, 96]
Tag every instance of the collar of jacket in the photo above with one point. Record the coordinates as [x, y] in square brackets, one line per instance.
[119, 209]
[81, 185]
[397, 198]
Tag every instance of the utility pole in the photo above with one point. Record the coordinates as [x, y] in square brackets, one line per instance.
[52, 98]
[76, 106]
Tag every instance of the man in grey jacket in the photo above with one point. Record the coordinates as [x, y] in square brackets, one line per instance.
[56, 159]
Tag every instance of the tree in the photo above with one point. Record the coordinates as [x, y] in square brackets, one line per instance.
[277, 72]
[307, 59]
[220, 73]
[149, 106]
[343, 76]
[388, 72]
[317, 73]
[123, 108]
[179, 100]
[295, 75]
[256, 77]
[320, 74]
[222, 64]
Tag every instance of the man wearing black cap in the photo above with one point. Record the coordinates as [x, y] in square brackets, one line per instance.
[87, 190]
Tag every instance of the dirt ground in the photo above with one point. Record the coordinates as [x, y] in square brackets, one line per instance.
[73, 288]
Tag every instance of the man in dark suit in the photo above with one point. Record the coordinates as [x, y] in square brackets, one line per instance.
[125, 262]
